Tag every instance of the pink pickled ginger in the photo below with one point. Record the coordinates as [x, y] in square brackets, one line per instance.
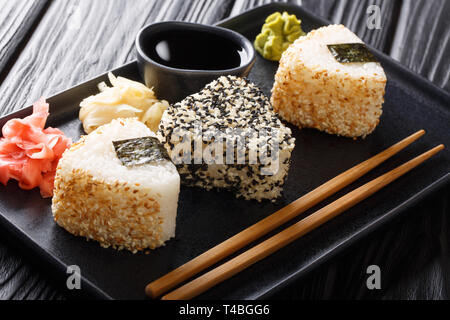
[29, 153]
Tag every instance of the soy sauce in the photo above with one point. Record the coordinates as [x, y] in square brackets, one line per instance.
[193, 50]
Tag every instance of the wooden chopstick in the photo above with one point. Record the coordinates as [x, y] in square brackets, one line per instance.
[264, 249]
[261, 228]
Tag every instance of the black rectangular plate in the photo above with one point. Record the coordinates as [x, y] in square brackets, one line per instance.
[207, 218]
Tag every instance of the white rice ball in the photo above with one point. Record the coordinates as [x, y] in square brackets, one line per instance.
[99, 198]
[313, 90]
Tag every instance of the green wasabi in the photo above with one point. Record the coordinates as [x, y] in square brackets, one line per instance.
[277, 34]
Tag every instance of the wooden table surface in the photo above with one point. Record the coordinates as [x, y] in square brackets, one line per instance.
[49, 46]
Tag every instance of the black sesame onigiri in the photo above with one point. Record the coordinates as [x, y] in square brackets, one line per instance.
[230, 113]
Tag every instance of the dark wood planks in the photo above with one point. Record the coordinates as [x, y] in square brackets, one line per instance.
[17, 17]
[422, 39]
[19, 280]
[54, 42]
[412, 253]
[414, 32]
[240, 6]
[72, 43]
[355, 15]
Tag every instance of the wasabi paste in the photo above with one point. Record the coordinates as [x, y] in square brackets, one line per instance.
[277, 34]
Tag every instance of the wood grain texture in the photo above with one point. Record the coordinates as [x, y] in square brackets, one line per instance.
[16, 17]
[422, 39]
[414, 32]
[78, 39]
[19, 280]
[412, 253]
[71, 44]
[240, 6]
[354, 15]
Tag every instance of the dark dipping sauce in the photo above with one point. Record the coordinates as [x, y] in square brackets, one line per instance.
[193, 50]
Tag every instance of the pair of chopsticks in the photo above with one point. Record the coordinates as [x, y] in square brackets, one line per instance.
[290, 234]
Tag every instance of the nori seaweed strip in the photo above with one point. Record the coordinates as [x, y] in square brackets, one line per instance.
[351, 52]
[134, 152]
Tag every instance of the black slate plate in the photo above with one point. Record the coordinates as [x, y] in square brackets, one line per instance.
[207, 218]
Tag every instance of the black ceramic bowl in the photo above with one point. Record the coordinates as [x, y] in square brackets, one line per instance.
[175, 83]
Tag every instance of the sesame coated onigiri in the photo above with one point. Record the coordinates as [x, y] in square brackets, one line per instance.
[99, 198]
[233, 107]
[313, 90]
